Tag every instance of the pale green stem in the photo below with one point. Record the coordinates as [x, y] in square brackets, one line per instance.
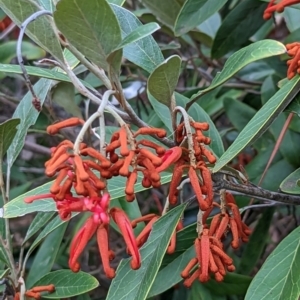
[94, 69]
[189, 133]
[90, 120]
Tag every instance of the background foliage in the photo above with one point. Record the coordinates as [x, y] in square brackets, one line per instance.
[225, 64]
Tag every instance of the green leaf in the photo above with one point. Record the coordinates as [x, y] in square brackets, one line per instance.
[261, 121]
[45, 256]
[289, 185]
[28, 115]
[165, 11]
[163, 80]
[170, 274]
[4, 273]
[40, 30]
[29, 51]
[199, 115]
[138, 34]
[233, 284]
[39, 221]
[8, 131]
[238, 26]
[238, 113]
[39, 72]
[184, 240]
[243, 57]
[68, 284]
[256, 246]
[63, 94]
[17, 207]
[144, 53]
[136, 284]
[85, 25]
[117, 2]
[195, 12]
[52, 225]
[46, 4]
[162, 112]
[279, 277]
[200, 291]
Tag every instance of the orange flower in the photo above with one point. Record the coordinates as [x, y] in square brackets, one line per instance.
[279, 7]
[210, 258]
[35, 292]
[293, 50]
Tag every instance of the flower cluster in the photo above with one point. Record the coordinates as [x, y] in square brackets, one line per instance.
[210, 255]
[279, 7]
[193, 155]
[35, 292]
[82, 169]
[293, 50]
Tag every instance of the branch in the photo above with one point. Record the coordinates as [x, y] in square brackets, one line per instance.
[253, 191]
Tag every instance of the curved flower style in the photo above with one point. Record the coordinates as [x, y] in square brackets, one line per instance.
[143, 236]
[210, 256]
[97, 223]
[35, 292]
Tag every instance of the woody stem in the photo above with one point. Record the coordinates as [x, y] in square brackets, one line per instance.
[188, 129]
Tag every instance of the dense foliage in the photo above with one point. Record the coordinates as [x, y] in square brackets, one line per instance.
[150, 149]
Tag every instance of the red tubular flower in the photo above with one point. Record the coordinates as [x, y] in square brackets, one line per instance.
[123, 223]
[279, 7]
[293, 50]
[124, 151]
[53, 129]
[102, 239]
[149, 130]
[79, 243]
[35, 292]
[203, 203]
[170, 157]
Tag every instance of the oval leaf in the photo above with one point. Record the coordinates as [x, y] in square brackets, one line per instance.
[29, 51]
[40, 31]
[248, 15]
[85, 25]
[139, 33]
[243, 57]
[144, 53]
[261, 121]
[28, 116]
[8, 130]
[170, 274]
[136, 284]
[289, 185]
[39, 72]
[165, 11]
[195, 12]
[279, 277]
[46, 255]
[163, 80]
[68, 284]
[39, 221]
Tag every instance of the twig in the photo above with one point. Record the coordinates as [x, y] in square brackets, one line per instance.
[23, 27]
[253, 191]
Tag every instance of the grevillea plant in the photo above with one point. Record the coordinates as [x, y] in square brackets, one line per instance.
[138, 197]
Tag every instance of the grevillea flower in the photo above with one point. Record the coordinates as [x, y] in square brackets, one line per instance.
[35, 292]
[210, 258]
[293, 50]
[279, 7]
[98, 223]
[144, 234]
